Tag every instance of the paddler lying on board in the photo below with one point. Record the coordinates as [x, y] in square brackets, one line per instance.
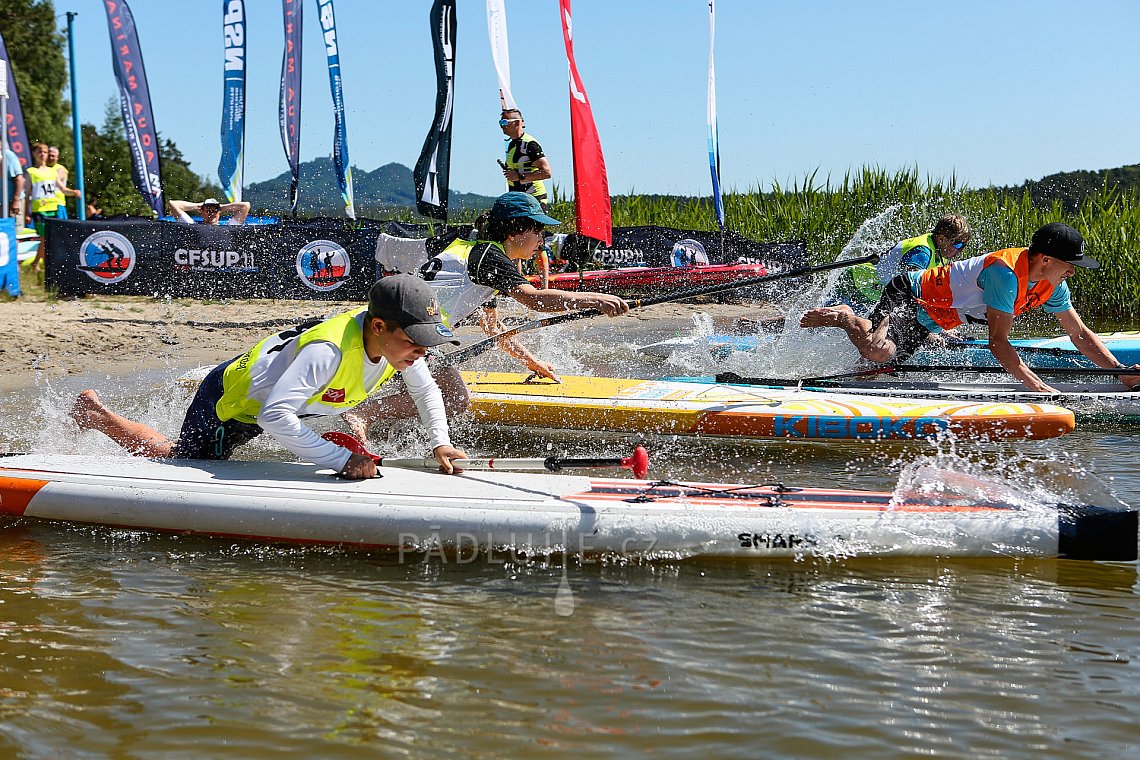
[315, 369]
[990, 289]
[468, 275]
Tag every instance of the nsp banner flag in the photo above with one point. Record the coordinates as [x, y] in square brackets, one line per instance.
[591, 186]
[232, 163]
[500, 51]
[289, 105]
[134, 99]
[432, 172]
[340, 137]
[17, 136]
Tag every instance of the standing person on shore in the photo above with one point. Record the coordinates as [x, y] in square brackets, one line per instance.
[316, 369]
[468, 275]
[44, 204]
[14, 176]
[991, 290]
[61, 188]
[526, 171]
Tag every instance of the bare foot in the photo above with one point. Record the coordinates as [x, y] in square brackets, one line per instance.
[826, 316]
[87, 410]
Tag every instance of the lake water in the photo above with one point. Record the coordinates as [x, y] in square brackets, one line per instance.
[128, 644]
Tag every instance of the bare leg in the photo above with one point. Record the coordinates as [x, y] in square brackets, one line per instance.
[89, 413]
[871, 341]
[400, 406]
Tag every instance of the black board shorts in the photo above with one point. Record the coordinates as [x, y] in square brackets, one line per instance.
[901, 306]
[203, 435]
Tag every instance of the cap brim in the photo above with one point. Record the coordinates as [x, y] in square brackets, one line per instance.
[428, 334]
[545, 219]
[1086, 262]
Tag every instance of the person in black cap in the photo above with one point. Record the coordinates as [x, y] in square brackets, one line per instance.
[991, 290]
[320, 368]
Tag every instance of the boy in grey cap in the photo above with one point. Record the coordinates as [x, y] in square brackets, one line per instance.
[321, 368]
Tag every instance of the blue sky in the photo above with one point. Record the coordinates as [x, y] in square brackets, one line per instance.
[993, 91]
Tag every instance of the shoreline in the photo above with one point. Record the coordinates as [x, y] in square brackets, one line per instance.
[119, 335]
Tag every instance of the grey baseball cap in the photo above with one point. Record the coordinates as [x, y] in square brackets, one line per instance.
[409, 302]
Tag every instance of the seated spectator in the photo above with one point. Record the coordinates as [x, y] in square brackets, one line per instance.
[210, 210]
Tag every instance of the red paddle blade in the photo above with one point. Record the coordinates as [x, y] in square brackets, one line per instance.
[350, 442]
[638, 463]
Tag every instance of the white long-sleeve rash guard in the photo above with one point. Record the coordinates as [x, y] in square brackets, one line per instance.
[286, 397]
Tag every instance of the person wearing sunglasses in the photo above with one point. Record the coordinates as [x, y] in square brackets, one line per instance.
[990, 290]
[864, 283]
[526, 170]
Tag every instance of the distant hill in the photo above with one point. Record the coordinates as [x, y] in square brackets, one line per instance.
[381, 193]
[1071, 187]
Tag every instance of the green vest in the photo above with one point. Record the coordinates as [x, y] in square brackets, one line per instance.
[518, 161]
[866, 281]
[344, 391]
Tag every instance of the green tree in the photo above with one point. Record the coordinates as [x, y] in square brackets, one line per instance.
[39, 69]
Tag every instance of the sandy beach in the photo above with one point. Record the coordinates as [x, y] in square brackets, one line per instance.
[125, 334]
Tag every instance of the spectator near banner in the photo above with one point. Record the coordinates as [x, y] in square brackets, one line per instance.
[61, 188]
[211, 211]
[15, 176]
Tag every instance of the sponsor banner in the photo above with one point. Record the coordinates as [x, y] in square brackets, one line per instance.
[500, 51]
[714, 137]
[340, 136]
[289, 103]
[14, 128]
[9, 267]
[591, 186]
[231, 166]
[157, 258]
[432, 171]
[655, 246]
[134, 100]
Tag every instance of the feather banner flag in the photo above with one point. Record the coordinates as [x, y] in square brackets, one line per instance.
[500, 53]
[336, 83]
[134, 100]
[17, 135]
[231, 165]
[289, 105]
[591, 187]
[432, 172]
[714, 137]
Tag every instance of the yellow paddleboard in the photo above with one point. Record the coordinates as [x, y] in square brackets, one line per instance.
[656, 406]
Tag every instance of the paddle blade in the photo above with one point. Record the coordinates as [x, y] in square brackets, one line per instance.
[638, 463]
[350, 442]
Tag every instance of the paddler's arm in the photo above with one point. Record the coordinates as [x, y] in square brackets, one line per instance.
[1000, 324]
[1089, 343]
[489, 321]
[551, 299]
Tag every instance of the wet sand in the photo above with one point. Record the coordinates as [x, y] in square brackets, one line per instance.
[121, 335]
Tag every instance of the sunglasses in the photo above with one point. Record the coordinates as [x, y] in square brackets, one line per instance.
[959, 244]
[505, 122]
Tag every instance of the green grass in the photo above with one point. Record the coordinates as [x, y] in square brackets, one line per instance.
[828, 213]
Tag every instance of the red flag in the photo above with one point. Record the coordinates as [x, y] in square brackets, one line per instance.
[591, 187]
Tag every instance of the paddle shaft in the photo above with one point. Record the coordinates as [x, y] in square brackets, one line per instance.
[475, 349]
[732, 377]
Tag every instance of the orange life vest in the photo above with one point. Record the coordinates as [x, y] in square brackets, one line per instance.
[950, 293]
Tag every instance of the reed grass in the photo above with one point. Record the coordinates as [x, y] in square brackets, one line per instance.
[827, 213]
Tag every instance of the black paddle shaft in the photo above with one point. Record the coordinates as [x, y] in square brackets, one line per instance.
[733, 378]
[475, 349]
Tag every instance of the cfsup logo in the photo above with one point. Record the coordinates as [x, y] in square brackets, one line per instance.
[107, 257]
[323, 265]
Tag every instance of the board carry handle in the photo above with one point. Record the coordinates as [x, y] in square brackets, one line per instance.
[638, 462]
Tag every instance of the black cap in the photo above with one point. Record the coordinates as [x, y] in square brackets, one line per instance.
[1064, 243]
[408, 301]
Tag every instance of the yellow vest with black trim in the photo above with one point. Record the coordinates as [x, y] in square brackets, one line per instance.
[520, 162]
[869, 280]
[43, 189]
[344, 391]
[446, 273]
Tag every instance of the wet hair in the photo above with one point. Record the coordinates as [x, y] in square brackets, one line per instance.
[510, 110]
[952, 227]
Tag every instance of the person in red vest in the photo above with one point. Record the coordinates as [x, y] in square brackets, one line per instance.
[991, 290]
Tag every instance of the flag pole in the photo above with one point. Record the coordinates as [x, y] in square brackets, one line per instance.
[77, 135]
